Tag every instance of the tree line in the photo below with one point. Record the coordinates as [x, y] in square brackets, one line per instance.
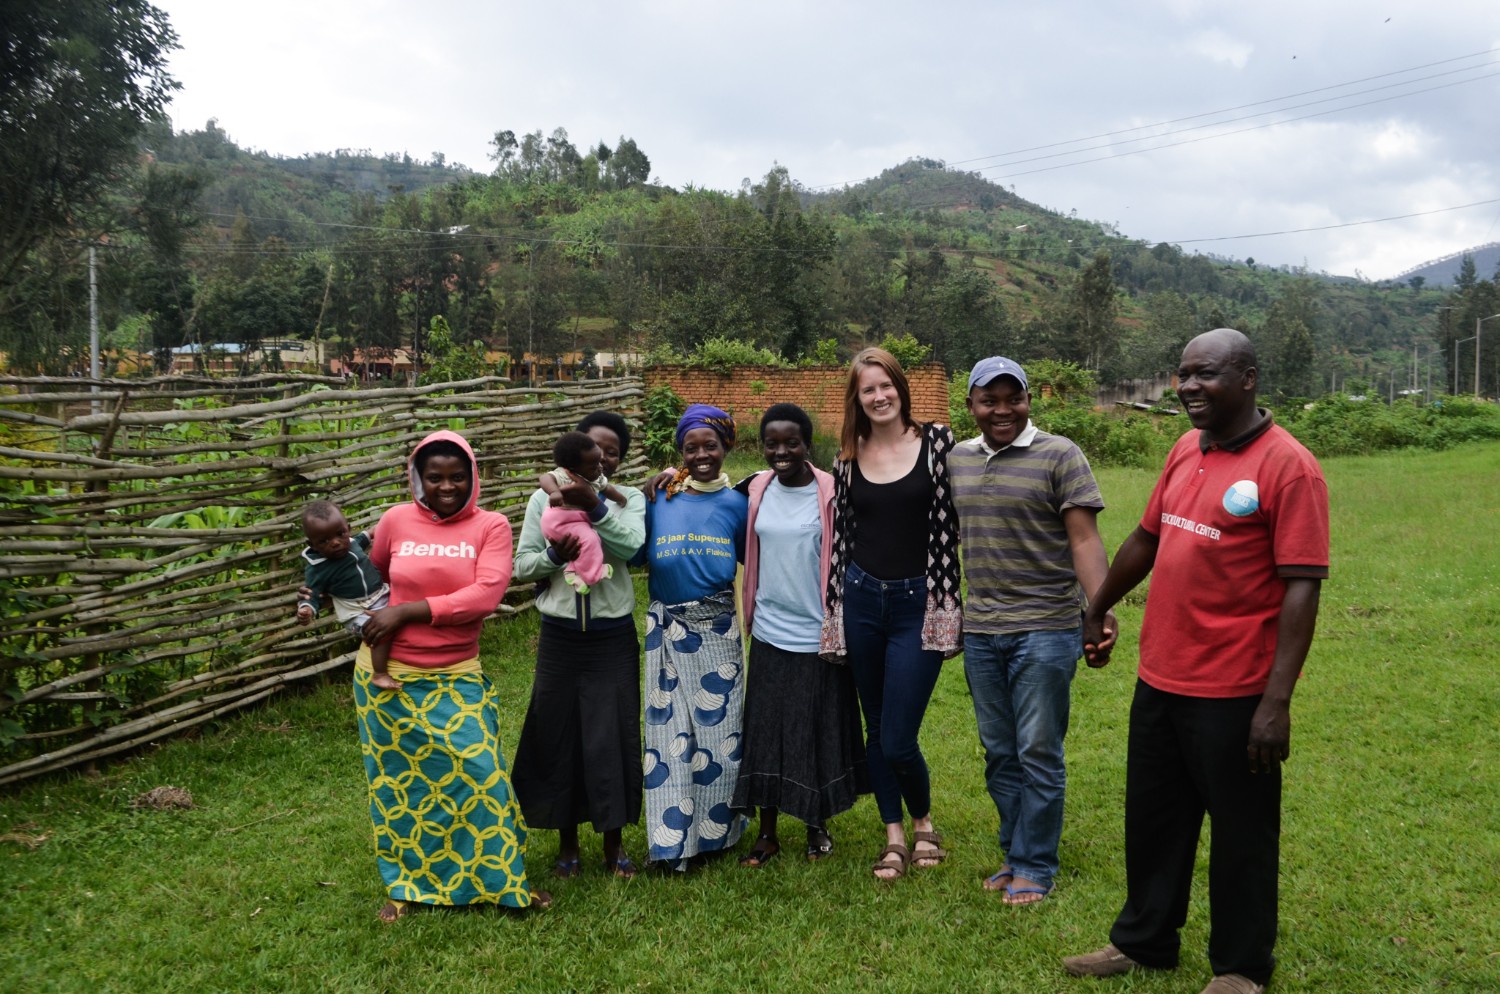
[563, 247]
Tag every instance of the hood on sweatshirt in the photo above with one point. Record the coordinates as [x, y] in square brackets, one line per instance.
[414, 478]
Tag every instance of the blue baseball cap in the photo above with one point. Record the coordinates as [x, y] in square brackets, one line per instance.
[986, 370]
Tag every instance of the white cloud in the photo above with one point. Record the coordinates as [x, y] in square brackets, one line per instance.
[1216, 46]
[836, 92]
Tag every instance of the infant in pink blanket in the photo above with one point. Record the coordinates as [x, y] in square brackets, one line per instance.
[577, 456]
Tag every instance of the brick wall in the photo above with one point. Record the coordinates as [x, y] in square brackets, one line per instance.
[747, 391]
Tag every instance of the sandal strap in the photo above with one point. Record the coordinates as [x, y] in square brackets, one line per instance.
[903, 859]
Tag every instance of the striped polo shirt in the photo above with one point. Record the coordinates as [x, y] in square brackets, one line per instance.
[1016, 556]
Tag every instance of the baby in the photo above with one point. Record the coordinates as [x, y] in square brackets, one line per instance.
[338, 565]
[577, 457]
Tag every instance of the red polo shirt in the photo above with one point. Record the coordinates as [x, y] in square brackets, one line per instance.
[1233, 521]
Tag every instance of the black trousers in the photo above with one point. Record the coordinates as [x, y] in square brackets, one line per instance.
[1186, 758]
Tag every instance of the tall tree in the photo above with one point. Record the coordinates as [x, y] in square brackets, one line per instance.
[1155, 345]
[78, 83]
[1094, 311]
[628, 166]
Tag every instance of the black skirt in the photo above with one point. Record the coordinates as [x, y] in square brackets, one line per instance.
[804, 751]
[579, 757]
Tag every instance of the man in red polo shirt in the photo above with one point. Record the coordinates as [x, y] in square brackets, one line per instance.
[1236, 539]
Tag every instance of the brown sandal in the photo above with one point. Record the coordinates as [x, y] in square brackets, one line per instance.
[903, 858]
[935, 855]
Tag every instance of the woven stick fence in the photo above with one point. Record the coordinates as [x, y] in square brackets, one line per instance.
[150, 535]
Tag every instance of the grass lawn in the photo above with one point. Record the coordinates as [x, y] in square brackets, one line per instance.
[1390, 844]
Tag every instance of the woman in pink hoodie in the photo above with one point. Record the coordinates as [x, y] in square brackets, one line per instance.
[448, 831]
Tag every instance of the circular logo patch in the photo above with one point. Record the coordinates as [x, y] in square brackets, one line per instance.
[1242, 498]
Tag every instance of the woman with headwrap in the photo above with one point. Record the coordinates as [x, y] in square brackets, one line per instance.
[694, 683]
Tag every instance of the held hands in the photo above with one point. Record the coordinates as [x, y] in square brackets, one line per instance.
[1099, 635]
[304, 614]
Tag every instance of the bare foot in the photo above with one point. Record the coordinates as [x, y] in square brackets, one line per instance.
[393, 910]
[385, 681]
[1000, 879]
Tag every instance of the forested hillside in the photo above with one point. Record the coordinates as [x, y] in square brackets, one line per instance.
[1449, 268]
[557, 248]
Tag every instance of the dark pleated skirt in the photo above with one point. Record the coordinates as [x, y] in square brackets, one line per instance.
[579, 757]
[804, 748]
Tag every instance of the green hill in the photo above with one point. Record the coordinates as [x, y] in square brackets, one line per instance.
[565, 248]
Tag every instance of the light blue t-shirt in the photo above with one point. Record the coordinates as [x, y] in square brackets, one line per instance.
[789, 595]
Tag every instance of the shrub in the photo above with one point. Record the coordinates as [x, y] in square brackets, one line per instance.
[449, 360]
[662, 408]
[1110, 439]
[1069, 382]
[1338, 425]
[1107, 439]
[825, 353]
[959, 418]
[909, 352]
[662, 354]
[723, 354]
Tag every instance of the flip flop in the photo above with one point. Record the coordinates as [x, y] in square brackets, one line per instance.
[394, 911]
[1000, 879]
[623, 868]
[1011, 891]
[567, 869]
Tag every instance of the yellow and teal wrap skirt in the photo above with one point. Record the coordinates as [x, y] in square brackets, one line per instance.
[448, 829]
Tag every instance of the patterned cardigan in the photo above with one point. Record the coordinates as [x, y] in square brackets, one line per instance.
[942, 621]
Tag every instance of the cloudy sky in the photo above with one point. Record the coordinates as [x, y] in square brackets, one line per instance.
[1177, 120]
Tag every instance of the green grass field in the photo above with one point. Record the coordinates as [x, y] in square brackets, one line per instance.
[1391, 833]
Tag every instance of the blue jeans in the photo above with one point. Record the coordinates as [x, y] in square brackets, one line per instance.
[1021, 686]
[894, 676]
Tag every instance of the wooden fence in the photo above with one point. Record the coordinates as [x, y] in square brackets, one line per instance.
[150, 532]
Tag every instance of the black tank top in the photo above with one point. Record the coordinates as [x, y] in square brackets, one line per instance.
[890, 532]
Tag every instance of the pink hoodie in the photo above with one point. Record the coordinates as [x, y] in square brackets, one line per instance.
[460, 565]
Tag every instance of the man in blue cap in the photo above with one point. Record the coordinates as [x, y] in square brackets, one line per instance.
[1026, 503]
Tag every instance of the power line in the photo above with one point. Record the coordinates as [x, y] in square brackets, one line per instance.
[1257, 103]
[1268, 124]
[1330, 227]
[1227, 110]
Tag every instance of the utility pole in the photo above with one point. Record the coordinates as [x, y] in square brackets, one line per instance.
[1477, 323]
[416, 337]
[94, 365]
